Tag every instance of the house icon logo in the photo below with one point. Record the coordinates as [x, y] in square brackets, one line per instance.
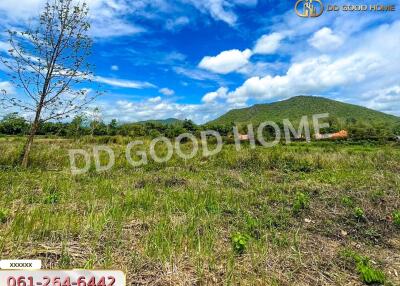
[309, 8]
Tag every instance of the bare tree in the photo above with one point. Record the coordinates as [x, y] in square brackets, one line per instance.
[49, 63]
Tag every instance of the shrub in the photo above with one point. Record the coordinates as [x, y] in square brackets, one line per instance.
[239, 242]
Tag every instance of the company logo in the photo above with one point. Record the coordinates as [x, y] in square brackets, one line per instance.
[309, 8]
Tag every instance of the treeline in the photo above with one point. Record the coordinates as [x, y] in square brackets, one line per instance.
[14, 124]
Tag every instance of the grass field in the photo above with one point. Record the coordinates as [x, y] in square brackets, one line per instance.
[318, 214]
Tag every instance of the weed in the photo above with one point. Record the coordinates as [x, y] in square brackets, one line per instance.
[359, 213]
[377, 196]
[396, 218]
[4, 215]
[239, 242]
[368, 273]
[52, 196]
[301, 202]
[51, 199]
[65, 259]
[347, 201]
[279, 239]
[253, 226]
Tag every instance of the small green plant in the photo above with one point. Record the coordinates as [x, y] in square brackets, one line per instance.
[358, 213]
[301, 202]
[347, 201]
[4, 214]
[239, 242]
[253, 226]
[396, 218]
[65, 259]
[377, 196]
[368, 274]
[51, 199]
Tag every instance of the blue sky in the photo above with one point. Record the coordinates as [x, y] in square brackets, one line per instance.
[197, 59]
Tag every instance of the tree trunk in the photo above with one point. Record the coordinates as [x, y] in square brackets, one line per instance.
[27, 147]
[29, 142]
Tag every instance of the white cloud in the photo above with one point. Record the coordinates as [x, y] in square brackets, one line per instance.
[108, 18]
[123, 83]
[213, 96]
[115, 68]
[155, 99]
[5, 47]
[156, 108]
[113, 18]
[362, 64]
[268, 44]
[325, 40]
[25, 8]
[227, 61]
[385, 100]
[167, 91]
[113, 27]
[221, 9]
[176, 24]
[196, 74]
[309, 77]
[7, 86]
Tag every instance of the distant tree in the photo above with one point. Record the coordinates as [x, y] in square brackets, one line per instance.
[13, 124]
[154, 133]
[95, 120]
[112, 127]
[365, 131]
[224, 130]
[174, 130]
[351, 121]
[77, 126]
[101, 129]
[137, 130]
[189, 125]
[48, 62]
[150, 126]
[334, 125]
[396, 130]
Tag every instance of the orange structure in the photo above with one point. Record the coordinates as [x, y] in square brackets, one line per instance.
[244, 137]
[340, 135]
[343, 134]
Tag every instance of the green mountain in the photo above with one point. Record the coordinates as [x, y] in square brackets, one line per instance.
[296, 107]
[169, 121]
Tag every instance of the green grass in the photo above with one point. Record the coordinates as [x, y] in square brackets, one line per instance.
[278, 216]
[368, 273]
[396, 218]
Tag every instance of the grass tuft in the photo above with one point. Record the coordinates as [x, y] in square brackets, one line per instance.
[396, 218]
[4, 215]
[300, 203]
[368, 274]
